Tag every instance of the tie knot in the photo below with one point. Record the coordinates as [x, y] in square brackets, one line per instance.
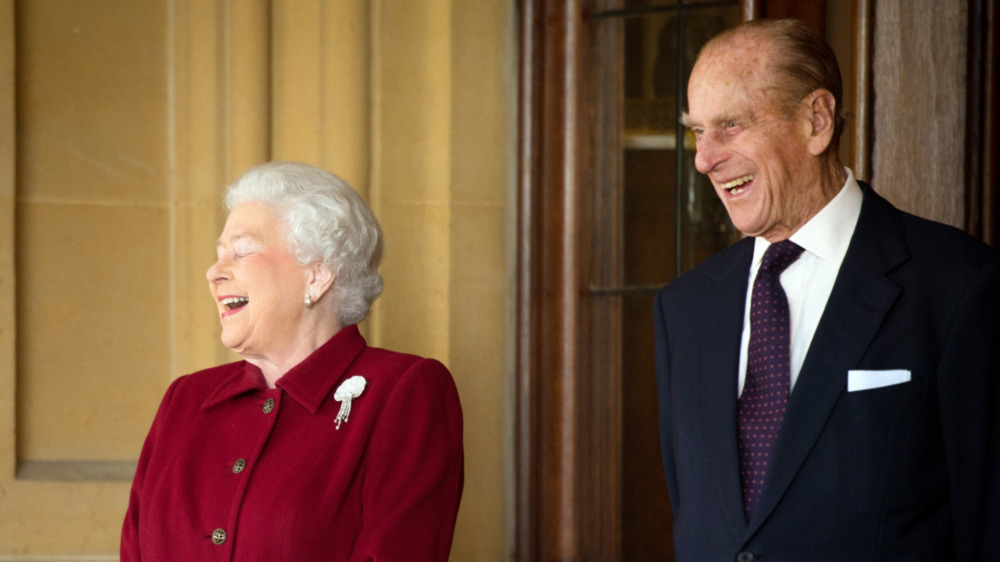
[780, 255]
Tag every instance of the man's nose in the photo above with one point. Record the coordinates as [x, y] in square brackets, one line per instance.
[708, 154]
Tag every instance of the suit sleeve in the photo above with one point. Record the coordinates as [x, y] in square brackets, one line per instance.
[969, 394]
[662, 347]
[414, 470]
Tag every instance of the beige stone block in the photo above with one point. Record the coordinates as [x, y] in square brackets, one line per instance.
[479, 359]
[41, 518]
[93, 307]
[414, 306]
[92, 92]
[479, 244]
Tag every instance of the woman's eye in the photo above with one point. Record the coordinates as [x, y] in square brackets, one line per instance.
[239, 254]
[242, 251]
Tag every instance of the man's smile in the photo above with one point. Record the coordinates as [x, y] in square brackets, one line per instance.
[738, 185]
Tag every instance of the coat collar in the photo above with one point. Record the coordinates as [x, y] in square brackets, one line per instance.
[309, 383]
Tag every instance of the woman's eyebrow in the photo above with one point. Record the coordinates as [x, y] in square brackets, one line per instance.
[238, 237]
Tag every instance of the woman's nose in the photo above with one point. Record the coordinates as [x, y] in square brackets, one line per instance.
[218, 271]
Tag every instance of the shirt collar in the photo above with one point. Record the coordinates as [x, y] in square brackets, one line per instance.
[828, 234]
[309, 383]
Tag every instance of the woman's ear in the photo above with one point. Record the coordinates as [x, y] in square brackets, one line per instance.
[822, 108]
[320, 280]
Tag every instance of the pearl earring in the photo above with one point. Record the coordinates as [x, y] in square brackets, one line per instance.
[309, 300]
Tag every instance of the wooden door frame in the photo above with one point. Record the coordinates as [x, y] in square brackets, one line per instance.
[556, 515]
[982, 141]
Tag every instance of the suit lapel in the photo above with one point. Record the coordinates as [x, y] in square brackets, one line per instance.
[861, 297]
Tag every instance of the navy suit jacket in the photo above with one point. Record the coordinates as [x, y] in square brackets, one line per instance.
[907, 472]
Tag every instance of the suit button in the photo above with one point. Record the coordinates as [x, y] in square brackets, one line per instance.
[745, 557]
[219, 536]
[239, 465]
[268, 405]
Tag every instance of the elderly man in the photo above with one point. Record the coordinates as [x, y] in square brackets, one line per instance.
[828, 385]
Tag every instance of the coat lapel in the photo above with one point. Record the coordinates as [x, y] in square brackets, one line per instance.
[861, 297]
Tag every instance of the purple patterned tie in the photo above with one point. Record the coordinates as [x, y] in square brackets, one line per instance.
[765, 392]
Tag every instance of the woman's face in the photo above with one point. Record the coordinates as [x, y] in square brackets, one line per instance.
[258, 285]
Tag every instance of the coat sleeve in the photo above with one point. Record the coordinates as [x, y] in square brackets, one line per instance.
[969, 393]
[661, 345]
[413, 470]
[129, 548]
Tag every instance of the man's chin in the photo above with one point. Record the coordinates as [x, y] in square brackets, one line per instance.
[747, 228]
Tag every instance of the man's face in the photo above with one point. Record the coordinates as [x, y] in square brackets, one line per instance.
[757, 159]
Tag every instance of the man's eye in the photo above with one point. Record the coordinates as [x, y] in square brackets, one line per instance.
[731, 125]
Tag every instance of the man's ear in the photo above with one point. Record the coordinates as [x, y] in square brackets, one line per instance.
[320, 280]
[822, 108]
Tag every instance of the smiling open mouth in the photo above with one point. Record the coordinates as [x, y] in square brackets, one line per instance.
[736, 186]
[233, 303]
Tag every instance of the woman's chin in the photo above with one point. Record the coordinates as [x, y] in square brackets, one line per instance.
[234, 342]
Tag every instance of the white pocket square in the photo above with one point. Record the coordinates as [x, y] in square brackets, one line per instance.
[867, 380]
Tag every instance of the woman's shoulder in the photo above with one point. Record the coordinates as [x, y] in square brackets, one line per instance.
[413, 391]
[393, 371]
[386, 357]
[387, 363]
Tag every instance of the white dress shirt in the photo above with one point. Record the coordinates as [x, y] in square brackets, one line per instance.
[809, 281]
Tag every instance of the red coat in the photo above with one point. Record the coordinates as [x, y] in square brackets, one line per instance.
[222, 476]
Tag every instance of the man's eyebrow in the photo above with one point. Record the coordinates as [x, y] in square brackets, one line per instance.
[741, 115]
[728, 118]
[686, 120]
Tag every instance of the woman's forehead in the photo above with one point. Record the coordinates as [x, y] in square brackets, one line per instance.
[250, 220]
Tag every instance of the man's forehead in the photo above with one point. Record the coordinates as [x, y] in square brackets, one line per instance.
[711, 96]
[722, 86]
[731, 67]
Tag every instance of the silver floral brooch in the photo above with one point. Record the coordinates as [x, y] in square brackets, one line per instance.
[347, 391]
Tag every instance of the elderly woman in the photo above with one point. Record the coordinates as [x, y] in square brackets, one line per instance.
[315, 446]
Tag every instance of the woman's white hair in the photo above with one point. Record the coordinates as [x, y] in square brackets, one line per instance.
[325, 220]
